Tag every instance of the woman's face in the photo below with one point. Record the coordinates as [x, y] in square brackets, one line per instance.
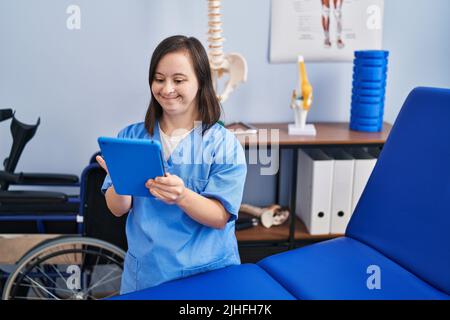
[175, 84]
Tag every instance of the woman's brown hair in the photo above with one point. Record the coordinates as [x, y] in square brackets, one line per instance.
[208, 103]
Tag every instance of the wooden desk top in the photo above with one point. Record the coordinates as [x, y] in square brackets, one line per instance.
[328, 133]
[279, 233]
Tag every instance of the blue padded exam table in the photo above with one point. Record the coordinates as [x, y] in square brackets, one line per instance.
[400, 227]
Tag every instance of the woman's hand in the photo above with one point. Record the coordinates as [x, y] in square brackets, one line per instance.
[169, 189]
[102, 163]
[117, 204]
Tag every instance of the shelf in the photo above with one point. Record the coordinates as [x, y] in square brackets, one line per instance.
[279, 233]
[328, 133]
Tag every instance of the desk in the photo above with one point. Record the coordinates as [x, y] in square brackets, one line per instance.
[329, 134]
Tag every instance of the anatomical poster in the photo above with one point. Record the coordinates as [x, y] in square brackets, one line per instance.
[324, 30]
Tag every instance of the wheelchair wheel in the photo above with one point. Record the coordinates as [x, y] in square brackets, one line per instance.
[74, 268]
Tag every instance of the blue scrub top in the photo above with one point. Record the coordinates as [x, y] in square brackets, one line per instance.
[164, 243]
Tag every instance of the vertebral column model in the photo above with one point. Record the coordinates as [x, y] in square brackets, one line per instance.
[232, 64]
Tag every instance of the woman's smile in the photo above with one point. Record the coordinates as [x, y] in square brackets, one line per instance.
[169, 97]
[175, 85]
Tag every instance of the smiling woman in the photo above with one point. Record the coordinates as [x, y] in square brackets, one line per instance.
[180, 69]
[175, 88]
[188, 226]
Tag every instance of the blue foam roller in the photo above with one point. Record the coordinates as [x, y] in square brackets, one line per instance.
[370, 74]
[374, 116]
[368, 92]
[367, 110]
[365, 128]
[370, 62]
[367, 105]
[367, 99]
[360, 127]
[366, 121]
[371, 54]
[369, 84]
[360, 69]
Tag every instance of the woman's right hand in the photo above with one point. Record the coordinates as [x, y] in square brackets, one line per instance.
[117, 204]
[102, 163]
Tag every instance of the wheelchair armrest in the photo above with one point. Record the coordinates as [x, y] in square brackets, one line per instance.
[41, 179]
[22, 197]
[47, 179]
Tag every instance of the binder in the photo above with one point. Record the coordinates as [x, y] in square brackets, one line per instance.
[364, 164]
[342, 189]
[314, 184]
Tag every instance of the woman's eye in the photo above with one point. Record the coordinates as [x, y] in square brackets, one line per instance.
[159, 80]
[178, 81]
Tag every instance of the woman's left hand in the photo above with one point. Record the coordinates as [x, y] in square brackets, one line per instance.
[169, 188]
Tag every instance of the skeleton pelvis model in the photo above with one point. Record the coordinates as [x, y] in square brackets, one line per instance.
[232, 64]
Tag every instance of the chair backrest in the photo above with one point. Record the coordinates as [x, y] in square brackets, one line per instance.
[99, 222]
[404, 211]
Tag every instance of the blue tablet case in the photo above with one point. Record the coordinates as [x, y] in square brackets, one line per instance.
[131, 162]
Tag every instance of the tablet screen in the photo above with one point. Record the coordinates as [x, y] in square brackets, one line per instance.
[131, 162]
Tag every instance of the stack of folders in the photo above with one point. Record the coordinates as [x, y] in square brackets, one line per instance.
[329, 185]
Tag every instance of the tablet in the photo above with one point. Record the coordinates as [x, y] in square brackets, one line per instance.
[131, 162]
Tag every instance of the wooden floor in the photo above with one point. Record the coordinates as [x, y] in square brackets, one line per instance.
[13, 247]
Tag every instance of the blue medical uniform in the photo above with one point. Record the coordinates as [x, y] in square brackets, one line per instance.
[164, 243]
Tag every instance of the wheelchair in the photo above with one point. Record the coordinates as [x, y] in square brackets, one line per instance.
[85, 261]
